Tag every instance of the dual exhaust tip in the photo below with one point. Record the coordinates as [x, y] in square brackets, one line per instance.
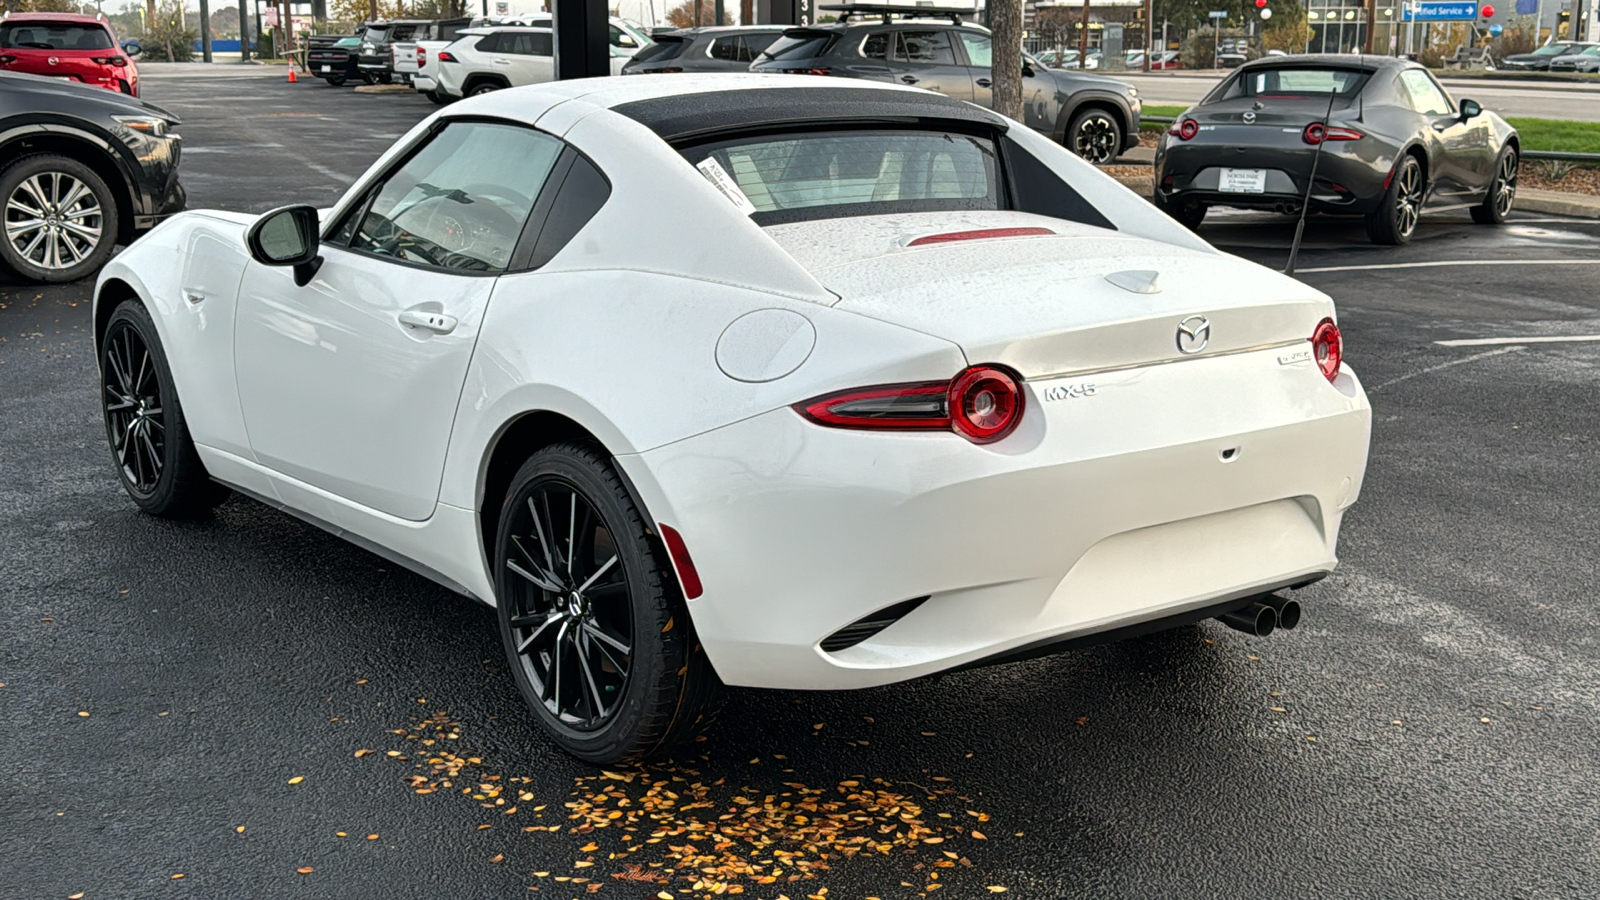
[1264, 616]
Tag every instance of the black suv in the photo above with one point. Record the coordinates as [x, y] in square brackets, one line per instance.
[82, 169]
[1094, 116]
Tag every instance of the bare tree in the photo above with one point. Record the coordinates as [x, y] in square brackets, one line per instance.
[1005, 26]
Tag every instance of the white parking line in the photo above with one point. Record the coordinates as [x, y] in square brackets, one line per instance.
[1458, 262]
[1490, 342]
[1455, 362]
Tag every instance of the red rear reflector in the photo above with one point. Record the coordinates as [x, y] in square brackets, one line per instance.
[982, 404]
[1327, 347]
[980, 234]
[680, 558]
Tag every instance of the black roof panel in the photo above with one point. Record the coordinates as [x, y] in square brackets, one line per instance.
[682, 116]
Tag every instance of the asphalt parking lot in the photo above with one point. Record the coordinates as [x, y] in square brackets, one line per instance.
[191, 699]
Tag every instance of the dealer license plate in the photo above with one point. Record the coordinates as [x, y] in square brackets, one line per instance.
[327, 68]
[1243, 181]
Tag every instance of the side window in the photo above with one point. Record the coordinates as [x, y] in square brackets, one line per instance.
[461, 201]
[929, 48]
[489, 44]
[755, 44]
[876, 46]
[541, 45]
[979, 49]
[1425, 96]
[725, 48]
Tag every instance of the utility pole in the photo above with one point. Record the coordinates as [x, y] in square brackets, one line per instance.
[1005, 25]
[244, 33]
[1369, 8]
[205, 30]
[1083, 38]
[1149, 32]
[717, 12]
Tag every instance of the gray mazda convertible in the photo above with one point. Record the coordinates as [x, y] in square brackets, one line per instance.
[1392, 143]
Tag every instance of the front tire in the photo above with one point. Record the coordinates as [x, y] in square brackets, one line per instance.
[145, 425]
[594, 626]
[1502, 195]
[1395, 220]
[60, 219]
[1095, 135]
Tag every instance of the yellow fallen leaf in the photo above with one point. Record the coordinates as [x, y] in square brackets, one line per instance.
[339, 834]
[372, 837]
[979, 836]
[664, 895]
[996, 889]
[305, 870]
[498, 857]
[177, 876]
[582, 863]
[541, 874]
[239, 830]
[589, 847]
[933, 840]
[362, 752]
[84, 713]
[297, 779]
[1279, 709]
[77, 896]
[1484, 720]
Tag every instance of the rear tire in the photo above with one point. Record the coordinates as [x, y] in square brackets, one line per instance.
[1395, 220]
[1189, 213]
[607, 660]
[336, 82]
[1502, 195]
[483, 87]
[1095, 135]
[145, 426]
[77, 217]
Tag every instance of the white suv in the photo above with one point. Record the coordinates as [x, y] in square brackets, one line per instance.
[488, 59]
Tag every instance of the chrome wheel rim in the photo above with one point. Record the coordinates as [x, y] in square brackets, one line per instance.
[571, 613]
[1505, 184]
[53, 221]
[135, 419]
[1408, 200]
[1096, 140]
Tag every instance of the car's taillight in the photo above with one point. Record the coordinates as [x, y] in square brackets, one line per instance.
[446, 57]
[982, 404]
[1184, 130]
[1317, 132]
[1327, 347]
[422, 58]
[810, 71]
[117, 61]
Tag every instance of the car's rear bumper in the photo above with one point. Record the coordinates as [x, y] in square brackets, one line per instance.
[1101, 512]
[424, 83]
[1350, 179]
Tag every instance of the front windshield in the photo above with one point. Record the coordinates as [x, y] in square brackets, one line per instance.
[1555, 50]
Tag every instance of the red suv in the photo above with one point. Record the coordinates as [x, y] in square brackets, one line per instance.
[65, 45]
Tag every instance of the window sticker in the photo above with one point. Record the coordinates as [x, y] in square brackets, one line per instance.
[719, 177]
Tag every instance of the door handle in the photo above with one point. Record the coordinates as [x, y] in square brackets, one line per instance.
[909, 79]
[984, 82]
[438, 323]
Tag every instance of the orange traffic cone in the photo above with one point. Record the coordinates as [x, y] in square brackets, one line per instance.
[292, 79]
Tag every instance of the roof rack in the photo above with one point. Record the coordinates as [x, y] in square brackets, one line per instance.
[848, 10]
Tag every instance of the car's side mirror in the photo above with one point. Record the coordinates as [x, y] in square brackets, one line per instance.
[1470, 109]
[132, 48]
[1027, 68]
[287, 236]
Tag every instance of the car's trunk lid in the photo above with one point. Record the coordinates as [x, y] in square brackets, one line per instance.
[1076, 299]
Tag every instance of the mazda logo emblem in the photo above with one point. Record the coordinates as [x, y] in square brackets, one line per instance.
[53, 60]
[1193, 334]
[1249, 118]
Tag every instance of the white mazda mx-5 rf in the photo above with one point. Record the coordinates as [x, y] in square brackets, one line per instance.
[753, 380]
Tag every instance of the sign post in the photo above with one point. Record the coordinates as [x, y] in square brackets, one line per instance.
[1217, 16]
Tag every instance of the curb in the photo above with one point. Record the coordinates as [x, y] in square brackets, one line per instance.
[1583, 206]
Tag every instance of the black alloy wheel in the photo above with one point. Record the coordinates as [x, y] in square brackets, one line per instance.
[145, 425]
[1502, 195]
[1395, 220]
[483, 88]
[1095, 136]
[60, 219]
[598, 637]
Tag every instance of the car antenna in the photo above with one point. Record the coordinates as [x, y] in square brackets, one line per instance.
[1305, 205]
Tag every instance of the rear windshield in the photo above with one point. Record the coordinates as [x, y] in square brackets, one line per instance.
[54, 36]
[376, 34]
[800, 45]
[1292, 83]
[666, 47]
[836, 174]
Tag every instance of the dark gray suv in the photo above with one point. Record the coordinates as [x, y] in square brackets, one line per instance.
[1093, 116]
